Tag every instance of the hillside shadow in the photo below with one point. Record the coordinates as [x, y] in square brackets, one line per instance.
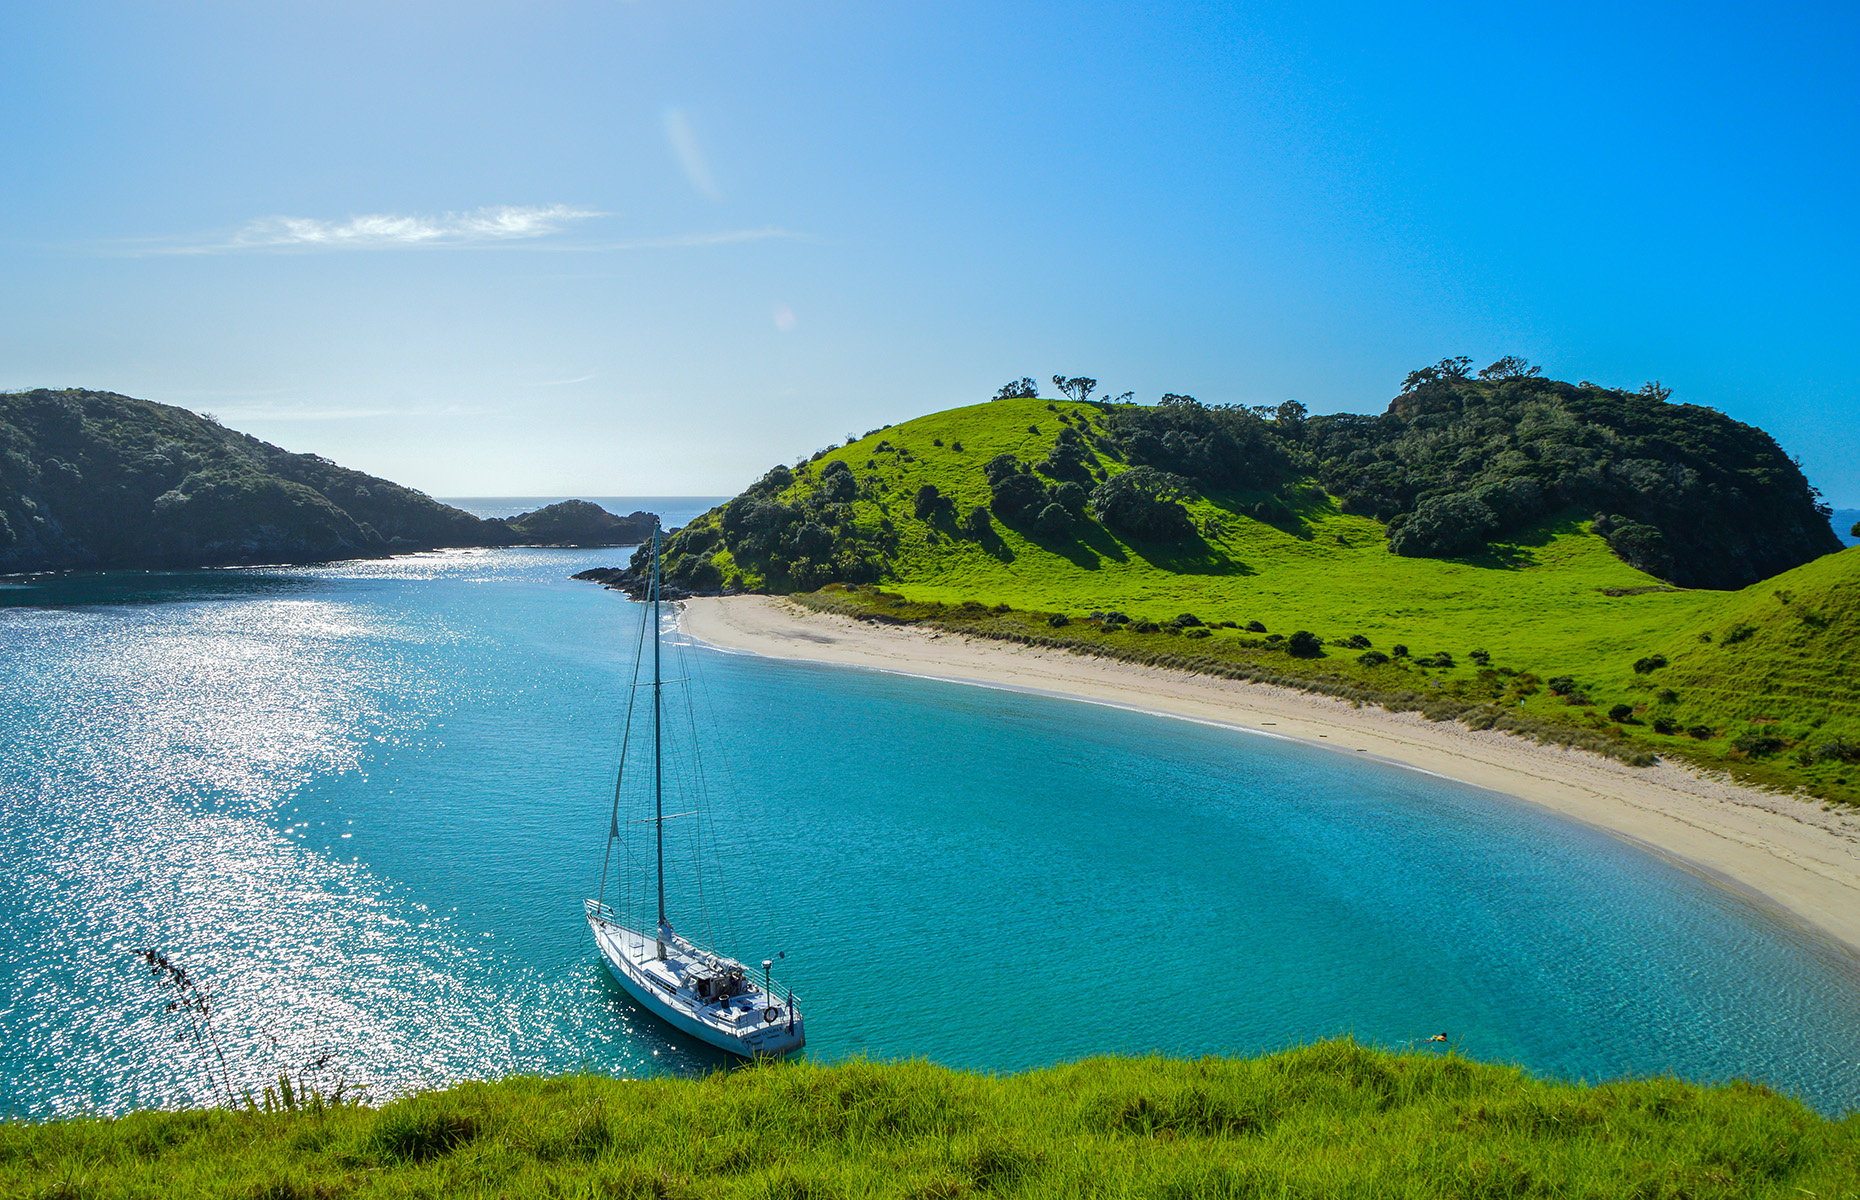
[1519, 549]
[1293, 512]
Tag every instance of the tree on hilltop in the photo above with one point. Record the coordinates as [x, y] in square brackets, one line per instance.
[1021, 389]
[1075, 389]
[1511, 367]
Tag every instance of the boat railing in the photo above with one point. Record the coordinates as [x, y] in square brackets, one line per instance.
[764, 983]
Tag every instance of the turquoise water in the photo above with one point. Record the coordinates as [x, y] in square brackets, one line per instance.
[366, 802]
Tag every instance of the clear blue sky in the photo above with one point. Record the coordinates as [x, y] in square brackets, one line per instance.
[654, 247]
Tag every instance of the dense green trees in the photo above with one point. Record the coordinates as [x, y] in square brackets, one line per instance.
[1144, 502]
[1688, 494]
[95, 479]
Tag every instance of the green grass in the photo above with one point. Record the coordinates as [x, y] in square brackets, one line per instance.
[1540, 605]
[1328, 1120]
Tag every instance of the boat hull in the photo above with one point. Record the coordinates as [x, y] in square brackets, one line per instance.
[631, 958]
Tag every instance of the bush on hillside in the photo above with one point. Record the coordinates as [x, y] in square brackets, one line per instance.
[1000, 467]
[1444, 526]
[1255, 627]
[1053, 522]
[1143, 502]
[1304, 644]
[1059, 620]
[1018, 389]
[1838, 750]
[837, 485]
[1072, 497]
[1621, 713]
[1560, 685]
[976, 523]
[929, 503]
[1665, 725]
[1373, 658]
[1199, 632]
[1754, 745]
[1642, 547]
[1018, 495]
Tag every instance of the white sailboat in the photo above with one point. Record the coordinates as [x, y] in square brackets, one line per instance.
[707, 995]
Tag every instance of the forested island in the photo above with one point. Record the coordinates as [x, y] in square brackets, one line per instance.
[95, 480]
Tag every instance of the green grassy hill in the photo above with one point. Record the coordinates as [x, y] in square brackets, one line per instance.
[1541, 628]
[1330, 1120]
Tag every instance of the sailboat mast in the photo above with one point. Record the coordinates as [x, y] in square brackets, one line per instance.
[658, 762]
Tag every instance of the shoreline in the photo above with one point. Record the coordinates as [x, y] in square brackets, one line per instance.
[1787, 854]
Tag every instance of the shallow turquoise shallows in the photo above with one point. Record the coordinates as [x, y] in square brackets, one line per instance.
[365, 803]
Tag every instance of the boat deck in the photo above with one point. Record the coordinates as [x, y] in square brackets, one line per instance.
[753, 1023]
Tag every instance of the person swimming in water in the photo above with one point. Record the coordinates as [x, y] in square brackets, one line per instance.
[1439, 1037]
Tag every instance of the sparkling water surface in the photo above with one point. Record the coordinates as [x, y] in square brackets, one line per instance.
[366, 801]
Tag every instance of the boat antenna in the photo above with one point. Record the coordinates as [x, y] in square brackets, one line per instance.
[658, 761]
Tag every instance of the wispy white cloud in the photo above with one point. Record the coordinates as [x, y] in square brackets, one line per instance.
[685, 147]
[389, 231]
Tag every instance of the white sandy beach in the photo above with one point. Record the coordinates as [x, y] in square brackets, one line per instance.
[1789, 853]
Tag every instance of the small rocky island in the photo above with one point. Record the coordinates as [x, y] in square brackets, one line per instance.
[99, 481]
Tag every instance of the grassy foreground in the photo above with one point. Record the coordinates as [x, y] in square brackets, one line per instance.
[1332, 1119]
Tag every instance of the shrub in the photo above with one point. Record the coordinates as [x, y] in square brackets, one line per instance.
[1143, 502]
[1560, 685]
[928, 502]
[1145, 627]
[1666, 696]
[1753, 744]
[1018, 389]
[1000, 467]
[1442, 526]
[1621, 713]
[1059, 620]
[1275, 638]
[1357, 642]
[1702, 732]
[1187, 619]
[1837, 750]
[1053, 522]
[1372, 658]
[1073, 497]
[1665, 725]
[1739, 633]
[1017, 494]
[1199, 632]
[1652, 662]
[1443, 660]
[977, 522]
[1255, 627]
[1304, 644]
[1399, 650]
